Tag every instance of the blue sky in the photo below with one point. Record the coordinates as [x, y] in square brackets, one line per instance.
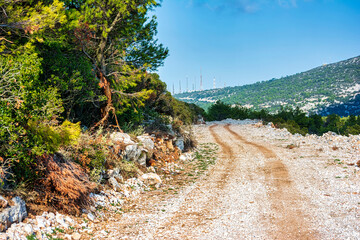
[244, 41]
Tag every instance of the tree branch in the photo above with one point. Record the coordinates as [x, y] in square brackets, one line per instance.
[133, 95]
[4, 39]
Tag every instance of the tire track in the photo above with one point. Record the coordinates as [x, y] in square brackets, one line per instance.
[267, 152]
[193, 215]
[285, 199]
[229, 157]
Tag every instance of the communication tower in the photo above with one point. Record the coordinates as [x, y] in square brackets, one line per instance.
[201, 83]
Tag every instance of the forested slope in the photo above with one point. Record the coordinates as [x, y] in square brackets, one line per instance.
[71, 71]
[327, 89]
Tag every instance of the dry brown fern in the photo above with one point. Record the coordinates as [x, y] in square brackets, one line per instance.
[64, 185]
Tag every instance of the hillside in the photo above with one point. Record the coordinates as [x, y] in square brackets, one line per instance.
[331, 88]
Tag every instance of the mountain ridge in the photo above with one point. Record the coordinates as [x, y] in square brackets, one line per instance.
[330, 88]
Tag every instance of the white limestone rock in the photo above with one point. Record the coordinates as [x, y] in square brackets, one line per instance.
[150, 179]
[121, 137]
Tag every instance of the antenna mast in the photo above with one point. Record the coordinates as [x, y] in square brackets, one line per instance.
[201, 83]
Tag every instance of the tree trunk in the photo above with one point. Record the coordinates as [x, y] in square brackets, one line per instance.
[105, 112]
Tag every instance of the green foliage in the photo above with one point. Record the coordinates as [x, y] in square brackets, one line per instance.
[22, 102]
[73, 42]
[29, 111]
[333, 123]
[72, 74]
[353, 130]
[205, 156]
[168, 105]
[31, 237]
[294, 120]
[49, 138]
[292, 127]
[76, 61]
[220, 111]
[158, 105]
[131, 129]
[70, 132]
[119, 39]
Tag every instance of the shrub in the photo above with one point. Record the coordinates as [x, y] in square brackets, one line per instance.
[353, 130]
[28, 116]
[91, 153]
[48, 138]
[132, 129]
[292, 127]
[219, 111]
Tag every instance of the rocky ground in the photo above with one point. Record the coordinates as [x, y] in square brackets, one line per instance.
[266, 184]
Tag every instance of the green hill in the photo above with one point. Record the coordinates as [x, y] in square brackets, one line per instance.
[331, 88]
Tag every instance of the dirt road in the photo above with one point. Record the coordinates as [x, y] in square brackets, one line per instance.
[218, 207]
[255, 191]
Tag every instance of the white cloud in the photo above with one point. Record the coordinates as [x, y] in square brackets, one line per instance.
[246, 6]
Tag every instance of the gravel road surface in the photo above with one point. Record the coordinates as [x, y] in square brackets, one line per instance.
[260, 188]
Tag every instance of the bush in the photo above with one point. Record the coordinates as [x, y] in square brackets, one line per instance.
[29, 112]
[48, 138]
[91, 153]
[292, 127]
[353, 130]
[220, 111]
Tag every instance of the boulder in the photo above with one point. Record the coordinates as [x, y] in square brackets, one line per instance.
[142, 159]
[150, 179]
[180, 143]
[114, 184]
[121, 137]
[132, 153]
[12, 214]
[146, 142]
[115, 173]
[170, 130]
[200, 120]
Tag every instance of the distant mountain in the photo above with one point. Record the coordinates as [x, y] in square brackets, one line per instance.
[331, 88]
